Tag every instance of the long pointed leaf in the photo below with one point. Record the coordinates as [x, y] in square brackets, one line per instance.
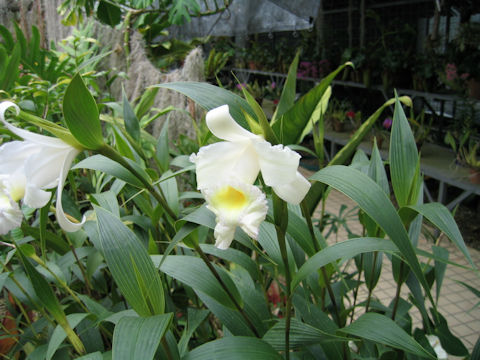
[209, 97]
[287, 98]
[403, 156]
[234, 348]
[289, 127]
[380, 329]
[138, 338]
[439, 216]
[345, 249]
[130, 265]
[371, 199]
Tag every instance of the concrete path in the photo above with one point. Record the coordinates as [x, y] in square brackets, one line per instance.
[456, 303]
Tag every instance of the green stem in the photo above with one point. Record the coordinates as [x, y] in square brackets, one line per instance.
[370, 290]
[355, 292]
[331, 294]
[281, 221]
[397, 294]
[215, 273]
[112, 154]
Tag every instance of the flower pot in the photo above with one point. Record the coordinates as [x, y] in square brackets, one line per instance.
[338, 126]
[474, 88]
[474, 176]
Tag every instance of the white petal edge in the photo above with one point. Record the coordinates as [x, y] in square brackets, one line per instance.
[247, 218]
[223, 126]
[10, 214]
[64, 223]
[225, 161]
[295, 191]
[27, 135]
[224, 235]
[278, 164]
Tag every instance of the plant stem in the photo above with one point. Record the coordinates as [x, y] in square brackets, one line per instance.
[215, 273]
[331, 294]
[397, 294]
[112, 154]
[281, 221]
[370, 290]
[288, 280]
[355, 292]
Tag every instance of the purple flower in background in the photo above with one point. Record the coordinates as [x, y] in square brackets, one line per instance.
[387, 123]
[241, 86]
[273, 85]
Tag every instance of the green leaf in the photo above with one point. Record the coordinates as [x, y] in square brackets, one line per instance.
[138, 338]
[130, 265]
[403, 156]
[209, 97]
[440, 267]
[163, 150]
[315, 194]
[146, 102]
[234, 256]
[10, 73]
[81, 114]
[131, 122]
[194, 318]
[57, 130]
[371, 199]
[193, 272]
[7, 38]
[110, 167]
[301, 335]
[232, 319]
[345, 249]
[267, 131]
[59, 334]
[440, 217]
[381, 329]
[234, 348]
[289, 91]
[317, 115]
[46, 296]
[108, 13]
[376, 170]
[289, 127]
[97, 355]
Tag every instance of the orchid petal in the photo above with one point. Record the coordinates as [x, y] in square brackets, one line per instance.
[27, 135]
[223, 235]
[225, 160]
[35, 197]
[64, 223]
[223, 126]
[10, 214]
[13, 155]
[42, 168]
[278, 164]
[295, 191]
[235, 204]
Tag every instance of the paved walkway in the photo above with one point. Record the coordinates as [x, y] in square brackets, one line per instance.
[456, 303]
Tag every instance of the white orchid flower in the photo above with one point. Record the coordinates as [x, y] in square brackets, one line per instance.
[243, 155]
[437, 347]
[10, 214]
[34, 165]
[235, 204]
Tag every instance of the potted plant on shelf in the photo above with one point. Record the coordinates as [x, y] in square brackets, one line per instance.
[464, 53]
[338, 112]
[421, 128]
[472, 161]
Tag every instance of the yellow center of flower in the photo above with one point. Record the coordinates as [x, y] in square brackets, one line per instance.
[230, 198]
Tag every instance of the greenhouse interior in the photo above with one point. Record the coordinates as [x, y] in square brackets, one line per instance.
[343, 223]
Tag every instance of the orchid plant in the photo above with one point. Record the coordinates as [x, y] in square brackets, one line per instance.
[152, 271]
